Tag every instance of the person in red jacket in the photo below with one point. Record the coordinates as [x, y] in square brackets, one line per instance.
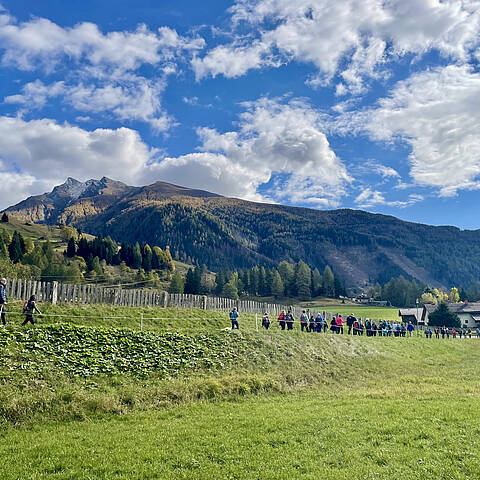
[282, 319]
[339, 323]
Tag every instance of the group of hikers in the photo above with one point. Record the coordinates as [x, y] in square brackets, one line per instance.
[353, 326]
[29, 307]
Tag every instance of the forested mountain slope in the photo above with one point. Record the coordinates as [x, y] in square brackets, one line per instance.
[224, 232]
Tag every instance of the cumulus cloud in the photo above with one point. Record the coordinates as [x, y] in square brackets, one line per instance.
[277, 143]
[101, 69]
[41, 41]
[36, 155]
[437, 113]
[135, 98]
[351, 38]
[370, 198]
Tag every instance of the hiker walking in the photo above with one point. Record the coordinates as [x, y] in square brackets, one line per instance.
[234, 318]
[265, 321]
[304, 321]
[410, 329]
[339, 324]
[290, 320]
[29, 308]
[368, 327]
[281, 319]
[3, 300]
[311, 324]
[350, 321]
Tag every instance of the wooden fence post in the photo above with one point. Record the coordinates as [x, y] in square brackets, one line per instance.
[54, 293]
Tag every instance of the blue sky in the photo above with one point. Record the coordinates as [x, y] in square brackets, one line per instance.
[349, 104]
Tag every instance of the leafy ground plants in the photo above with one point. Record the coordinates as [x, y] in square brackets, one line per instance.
[210, 403]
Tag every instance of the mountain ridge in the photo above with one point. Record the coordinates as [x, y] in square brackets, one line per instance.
[222, 232]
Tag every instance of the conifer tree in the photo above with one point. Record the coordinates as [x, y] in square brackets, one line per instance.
[328, 282]
[3, 249]
[147, 258]
[136, 257]
[277, 285]
[16, 249]
[316, 282]
[230, 290]
[176, 284]
[71, 248]
[303, 278]
[190, 282]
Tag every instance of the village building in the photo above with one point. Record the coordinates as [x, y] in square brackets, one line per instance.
[413, 315]
[468, 313]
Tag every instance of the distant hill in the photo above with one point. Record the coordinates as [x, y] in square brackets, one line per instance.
[221, 232]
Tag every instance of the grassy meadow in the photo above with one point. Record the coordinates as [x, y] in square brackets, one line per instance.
[374, 313]
[88, 398]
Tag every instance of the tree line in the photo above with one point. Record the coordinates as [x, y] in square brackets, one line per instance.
[287, 280]
[82, 260]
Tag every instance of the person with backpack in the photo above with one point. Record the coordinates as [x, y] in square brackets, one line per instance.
[282, 319]
[304, 321]
[265, 321]
[234, 318]
[318, 323]
[311, 324]
[290, 319]
[350, 321]
[3, 300]
[368, 327]
[29, 308]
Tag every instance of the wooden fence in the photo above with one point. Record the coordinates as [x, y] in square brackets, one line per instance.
[56, 292]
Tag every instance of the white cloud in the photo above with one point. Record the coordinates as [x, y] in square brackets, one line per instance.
[369, 198]
[135, 98]
[40, 41]
[437, 113]
[363, 34]
[276, 142]
[39, 154]
[100, 68]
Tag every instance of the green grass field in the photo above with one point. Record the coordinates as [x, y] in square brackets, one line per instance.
[374, 313]
[173, 402]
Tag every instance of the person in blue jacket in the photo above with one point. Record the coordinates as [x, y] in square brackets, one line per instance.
[234, 318]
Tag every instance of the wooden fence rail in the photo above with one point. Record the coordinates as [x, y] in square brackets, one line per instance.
[56, 292]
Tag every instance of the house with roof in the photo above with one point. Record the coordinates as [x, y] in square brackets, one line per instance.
[468, 313]
[413, 315]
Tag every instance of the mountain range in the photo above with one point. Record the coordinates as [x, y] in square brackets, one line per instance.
[202, 227]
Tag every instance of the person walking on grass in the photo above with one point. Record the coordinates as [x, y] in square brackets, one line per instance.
[281, 319]
[410, 329]
[290, 319]
[350, 321]
[304, 321]
[265, 321]
[3, 300]
[29, 308]
[234, 318]
[339, 324]
[311, 324]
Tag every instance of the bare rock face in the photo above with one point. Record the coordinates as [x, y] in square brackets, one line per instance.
[50, 207]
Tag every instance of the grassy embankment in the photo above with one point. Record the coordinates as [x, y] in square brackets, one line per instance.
[269, 405]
